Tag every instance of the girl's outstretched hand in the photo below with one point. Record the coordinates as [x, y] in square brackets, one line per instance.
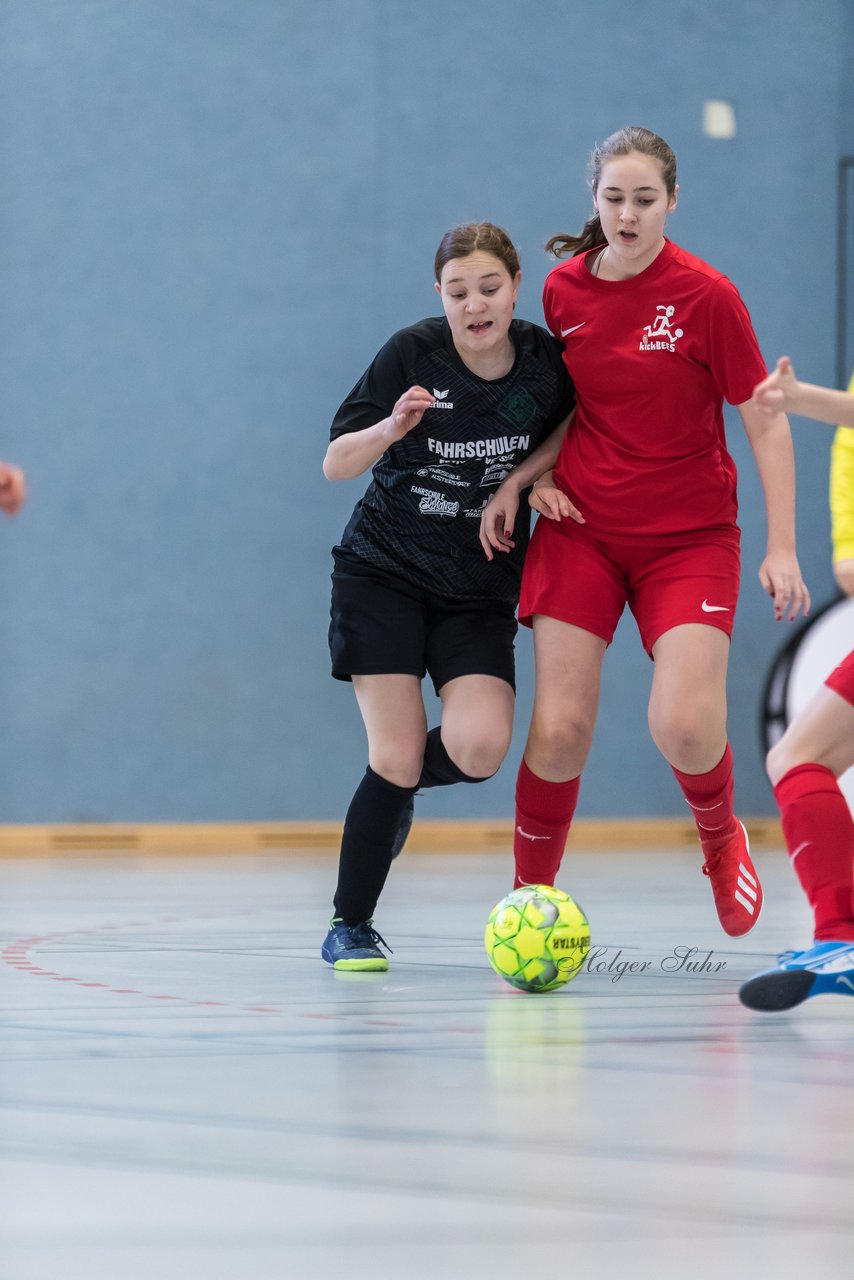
[13, 488]
[497, 521]
[551, 502]
[776, 393]
[780, 576]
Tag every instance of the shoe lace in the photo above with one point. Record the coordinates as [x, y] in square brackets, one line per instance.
[365, 934]
[713, 861]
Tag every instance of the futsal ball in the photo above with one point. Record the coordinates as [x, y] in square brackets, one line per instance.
[537, 938]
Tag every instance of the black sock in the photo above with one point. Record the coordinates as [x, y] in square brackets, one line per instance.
[369, 831]
[439, 769]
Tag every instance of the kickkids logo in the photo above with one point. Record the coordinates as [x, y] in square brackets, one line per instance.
[661, 335]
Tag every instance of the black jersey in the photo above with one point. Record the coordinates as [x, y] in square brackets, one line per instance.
[420, 517]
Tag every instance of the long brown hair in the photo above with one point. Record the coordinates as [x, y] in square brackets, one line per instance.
[621, 143]
[459, 242]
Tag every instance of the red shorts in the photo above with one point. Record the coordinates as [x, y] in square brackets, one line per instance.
[585, 581]
[841, 680]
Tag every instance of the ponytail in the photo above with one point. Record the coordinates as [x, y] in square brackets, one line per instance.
[567, 246]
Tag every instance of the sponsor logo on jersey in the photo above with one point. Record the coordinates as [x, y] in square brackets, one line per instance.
[441, 400]
[661, 335]
[439, 473]
[475, 512]
[435, 504]
[452, 449]
[519, 407]
[495, 472]
[564, 333]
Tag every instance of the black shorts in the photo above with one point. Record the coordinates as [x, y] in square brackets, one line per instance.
[382, 625]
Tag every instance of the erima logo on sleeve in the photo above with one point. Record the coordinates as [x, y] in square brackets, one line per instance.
[441, 400]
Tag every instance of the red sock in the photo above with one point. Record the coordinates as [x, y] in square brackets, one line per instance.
[819, 832]
[543, 816]
[709, 796]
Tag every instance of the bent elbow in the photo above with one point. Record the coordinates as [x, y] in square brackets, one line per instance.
[330, 470]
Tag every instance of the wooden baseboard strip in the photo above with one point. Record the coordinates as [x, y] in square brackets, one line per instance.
[187, 839]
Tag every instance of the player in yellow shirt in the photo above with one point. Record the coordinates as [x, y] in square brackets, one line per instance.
[842, 502]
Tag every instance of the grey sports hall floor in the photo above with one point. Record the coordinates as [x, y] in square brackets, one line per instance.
[189, 1092]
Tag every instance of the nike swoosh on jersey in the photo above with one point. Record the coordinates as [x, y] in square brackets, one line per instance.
[714, 608]
[572, 328]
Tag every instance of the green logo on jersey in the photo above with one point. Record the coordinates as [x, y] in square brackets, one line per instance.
[519, 407]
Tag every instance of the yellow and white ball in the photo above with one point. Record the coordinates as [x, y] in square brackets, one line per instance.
[537, 938]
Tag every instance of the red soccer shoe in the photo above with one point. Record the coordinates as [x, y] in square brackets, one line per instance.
[735, 884]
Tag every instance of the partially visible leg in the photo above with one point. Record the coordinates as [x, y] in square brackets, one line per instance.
[470, 659]
[687, 704]
[568, 663]
[815, 750]
[474, 736]
[687, 720]
[574, 591]
[376, 626]
[803, 767]
[393, 711]
[396, 725]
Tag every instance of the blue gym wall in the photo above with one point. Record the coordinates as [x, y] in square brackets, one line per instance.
[211, 215]
[846, 103]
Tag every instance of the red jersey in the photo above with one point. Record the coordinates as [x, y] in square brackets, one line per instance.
[652, 359]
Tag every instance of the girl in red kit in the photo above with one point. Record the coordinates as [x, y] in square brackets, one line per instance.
[641, 510]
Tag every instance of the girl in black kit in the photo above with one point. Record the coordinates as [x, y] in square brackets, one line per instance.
[447, 409]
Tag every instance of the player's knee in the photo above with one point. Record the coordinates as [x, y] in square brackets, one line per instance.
[789, 752]
[687, 738]
[560, 742]
[402, 767]
[479, 752]
[777, 762]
